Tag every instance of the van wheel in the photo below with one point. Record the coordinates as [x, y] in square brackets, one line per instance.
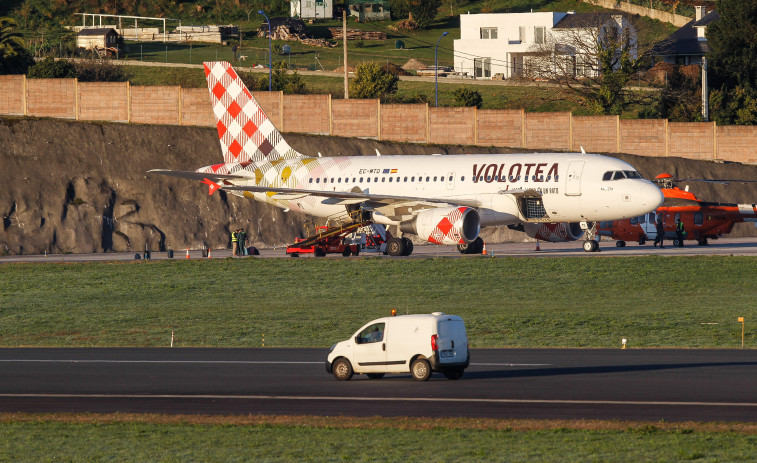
[421, 370]
[342, 369]
[454, 374]
[375, 375]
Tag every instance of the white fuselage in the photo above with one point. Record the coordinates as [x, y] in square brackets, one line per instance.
[571, 184]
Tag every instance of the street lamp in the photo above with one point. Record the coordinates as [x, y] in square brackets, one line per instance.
[436, 70]
[269, 49]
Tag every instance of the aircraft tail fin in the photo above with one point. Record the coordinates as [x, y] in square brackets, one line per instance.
[245, 132]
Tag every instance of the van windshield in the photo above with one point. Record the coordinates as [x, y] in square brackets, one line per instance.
[374, 333]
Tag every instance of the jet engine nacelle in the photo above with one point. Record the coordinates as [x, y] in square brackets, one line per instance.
[554, 232]
[446, 225]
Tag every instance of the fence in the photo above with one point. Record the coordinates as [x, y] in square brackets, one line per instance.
[417, 123]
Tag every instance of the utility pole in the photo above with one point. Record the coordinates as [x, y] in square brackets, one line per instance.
[705, 93]
[344, 38]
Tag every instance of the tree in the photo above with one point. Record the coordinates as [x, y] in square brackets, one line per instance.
[423, 11]
[466, 97]
[732, 62]
[14, 58]
[372, 82]
[680, 100]
[595, 60]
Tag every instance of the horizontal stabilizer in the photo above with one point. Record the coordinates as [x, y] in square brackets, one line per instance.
[192, 175]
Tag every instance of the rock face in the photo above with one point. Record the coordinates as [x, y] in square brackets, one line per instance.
[76, 187]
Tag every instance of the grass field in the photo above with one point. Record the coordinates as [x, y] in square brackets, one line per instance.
[506, 302]
[225, 439]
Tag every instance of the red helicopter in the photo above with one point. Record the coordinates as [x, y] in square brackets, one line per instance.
[702, 220]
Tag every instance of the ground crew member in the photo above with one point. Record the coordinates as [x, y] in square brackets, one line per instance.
[660, 233]
[242, 237]
[235, 243]
[680, 233]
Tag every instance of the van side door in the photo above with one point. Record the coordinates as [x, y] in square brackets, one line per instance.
[370, 349]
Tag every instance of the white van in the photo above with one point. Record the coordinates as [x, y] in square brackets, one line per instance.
[418, 344]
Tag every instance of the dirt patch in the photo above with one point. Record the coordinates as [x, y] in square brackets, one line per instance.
[77, 187]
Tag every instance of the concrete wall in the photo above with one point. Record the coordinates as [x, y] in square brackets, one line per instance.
[674, 19]
[415, 123]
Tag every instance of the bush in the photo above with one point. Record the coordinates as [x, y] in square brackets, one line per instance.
[466, 97]
[100, 71]
[372, 82]
[52, 69]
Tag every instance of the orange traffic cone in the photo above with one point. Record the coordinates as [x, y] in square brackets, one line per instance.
[208, 253]
[187, 253]
[484, 250]
[537, 246]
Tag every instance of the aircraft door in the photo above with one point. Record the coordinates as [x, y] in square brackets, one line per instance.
[573, 182]
[450, 180]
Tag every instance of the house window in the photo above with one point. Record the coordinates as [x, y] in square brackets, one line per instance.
[488, 32]
[522, 34]
[539, 33]
[482, 67]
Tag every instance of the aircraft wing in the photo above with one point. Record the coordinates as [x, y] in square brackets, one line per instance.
[356, 196]
[346, 197]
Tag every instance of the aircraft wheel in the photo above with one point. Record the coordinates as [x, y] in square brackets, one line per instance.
[589, 245]
[620, 244]
[395, 247]
[408, 246]
[477, 246]
[463, 248]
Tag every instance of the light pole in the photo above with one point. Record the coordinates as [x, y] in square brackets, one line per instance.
[270, 68]
[436, 70]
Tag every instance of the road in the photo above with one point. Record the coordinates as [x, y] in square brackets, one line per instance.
[630, 384]
[723, 247]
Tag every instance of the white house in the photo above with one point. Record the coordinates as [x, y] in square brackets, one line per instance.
[510, 44]
[312, 9]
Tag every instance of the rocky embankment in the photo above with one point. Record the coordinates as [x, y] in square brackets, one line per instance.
[76, 187]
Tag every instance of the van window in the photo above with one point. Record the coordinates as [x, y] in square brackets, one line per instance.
[374, 333]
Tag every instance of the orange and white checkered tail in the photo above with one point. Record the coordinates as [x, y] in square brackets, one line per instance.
[245, 131]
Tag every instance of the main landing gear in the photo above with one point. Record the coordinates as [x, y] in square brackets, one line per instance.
[399, 247]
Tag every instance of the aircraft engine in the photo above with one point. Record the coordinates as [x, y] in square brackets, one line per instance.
[446, 225]
[554, 232]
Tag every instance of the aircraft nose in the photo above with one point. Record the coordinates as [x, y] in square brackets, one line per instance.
[650, 196]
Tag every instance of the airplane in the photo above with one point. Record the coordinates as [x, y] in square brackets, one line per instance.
[702, 220]
[444, 199]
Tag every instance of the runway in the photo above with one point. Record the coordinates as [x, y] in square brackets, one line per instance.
[632, 384]
[726, 246]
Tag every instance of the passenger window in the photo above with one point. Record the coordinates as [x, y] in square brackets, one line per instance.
[374, 333]
[361, 179]
[340, 180]
[318, 180]
[375, 179]
[368, 179]
[462, 179]
[427, 179]
[406, 179]
[434, 178]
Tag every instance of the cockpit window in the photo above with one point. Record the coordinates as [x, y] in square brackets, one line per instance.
[620, 174]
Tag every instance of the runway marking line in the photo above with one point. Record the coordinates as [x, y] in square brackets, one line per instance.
[378, 399]
[244, 362]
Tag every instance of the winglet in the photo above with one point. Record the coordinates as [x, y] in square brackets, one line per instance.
[212, 186]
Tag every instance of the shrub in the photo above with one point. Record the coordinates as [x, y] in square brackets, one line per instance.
[466, 97]
[372, 82]
[52, 69]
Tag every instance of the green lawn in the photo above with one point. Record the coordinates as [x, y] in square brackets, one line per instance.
[506, 302]
[138, 441]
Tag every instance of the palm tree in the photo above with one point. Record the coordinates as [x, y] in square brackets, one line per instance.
[11, 42]
[13, 56]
